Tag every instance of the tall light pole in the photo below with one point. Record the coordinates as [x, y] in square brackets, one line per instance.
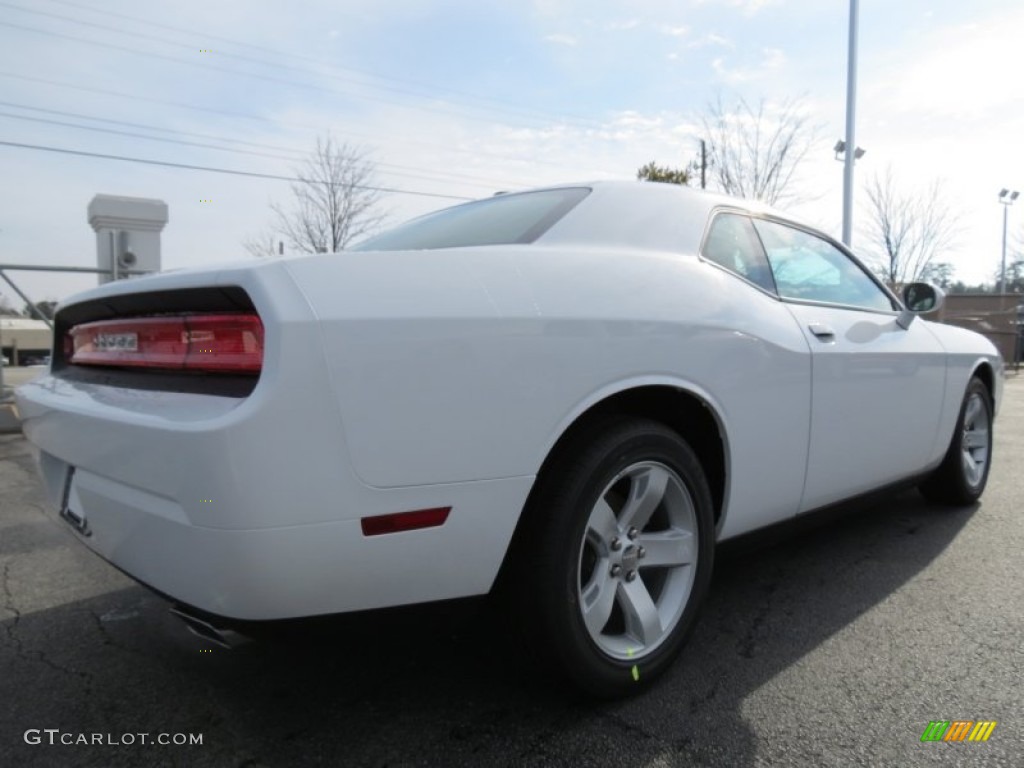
[1006, 197]
[851, 124]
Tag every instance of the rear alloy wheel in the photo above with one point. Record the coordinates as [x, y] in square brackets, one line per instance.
[961, 478]
[625, 555]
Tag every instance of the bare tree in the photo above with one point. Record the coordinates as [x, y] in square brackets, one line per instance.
[755, 152]
[908, 228]
[1014, 274]
[6, 308]
[1014, 266]
[46, 308]
[333, 203]
[939, 272]
[263, 245]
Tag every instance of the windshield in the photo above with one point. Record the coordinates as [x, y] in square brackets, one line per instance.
[504, 219]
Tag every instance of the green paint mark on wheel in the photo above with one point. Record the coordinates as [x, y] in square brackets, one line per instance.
[636, 673]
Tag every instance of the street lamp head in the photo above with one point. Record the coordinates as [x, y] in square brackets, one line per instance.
[1014, 195]
[1003, 193]
[840, 148]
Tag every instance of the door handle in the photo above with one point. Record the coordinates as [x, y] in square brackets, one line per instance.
[823, 332]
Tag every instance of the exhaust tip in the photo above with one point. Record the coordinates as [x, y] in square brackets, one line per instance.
[222, 636]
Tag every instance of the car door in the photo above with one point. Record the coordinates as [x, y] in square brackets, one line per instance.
[876, 387]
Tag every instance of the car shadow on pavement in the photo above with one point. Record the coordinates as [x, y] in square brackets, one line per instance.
[438, 685]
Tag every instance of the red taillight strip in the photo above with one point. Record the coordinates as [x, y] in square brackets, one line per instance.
[404, 521]
[229, 343]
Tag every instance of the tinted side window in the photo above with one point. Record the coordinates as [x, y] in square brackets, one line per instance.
[500, 220]
[733, 244]
[811, 269]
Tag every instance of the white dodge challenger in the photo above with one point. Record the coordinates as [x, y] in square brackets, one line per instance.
[573, 392]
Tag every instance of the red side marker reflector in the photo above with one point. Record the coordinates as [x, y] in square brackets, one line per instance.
[404, 521]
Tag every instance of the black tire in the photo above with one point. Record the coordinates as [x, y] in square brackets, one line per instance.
[555, 559]
[951, 484]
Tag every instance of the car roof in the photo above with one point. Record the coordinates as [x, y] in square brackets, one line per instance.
[644, 214]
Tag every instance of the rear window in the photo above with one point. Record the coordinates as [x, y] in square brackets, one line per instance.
[499, 220]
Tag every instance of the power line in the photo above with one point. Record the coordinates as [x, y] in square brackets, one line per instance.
[144, 126]
[262, 118]
[133, 134]
[298, 153]
[219, 148]
[505, 105]
[165, 102]
[240, 73]
[237, 72]
[229, 171]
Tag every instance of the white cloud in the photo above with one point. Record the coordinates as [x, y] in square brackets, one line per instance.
[618, 26]
[673, 31]
[561, 39]
[747, 7]
[772, 59]
[752, 6]
[712, 39]
[965, 70]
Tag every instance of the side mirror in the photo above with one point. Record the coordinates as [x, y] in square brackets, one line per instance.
[919, 298]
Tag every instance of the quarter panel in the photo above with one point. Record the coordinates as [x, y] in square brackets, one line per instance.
[467, 364]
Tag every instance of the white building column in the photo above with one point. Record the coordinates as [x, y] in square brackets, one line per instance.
[127, 234]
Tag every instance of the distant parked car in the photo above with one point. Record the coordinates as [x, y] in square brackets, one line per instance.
[573, 392]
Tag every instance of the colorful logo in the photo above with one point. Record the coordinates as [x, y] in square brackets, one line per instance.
[958, 730]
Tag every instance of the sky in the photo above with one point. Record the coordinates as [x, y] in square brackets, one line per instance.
[456, 99]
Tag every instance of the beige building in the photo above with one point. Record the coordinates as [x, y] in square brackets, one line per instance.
[22, 338]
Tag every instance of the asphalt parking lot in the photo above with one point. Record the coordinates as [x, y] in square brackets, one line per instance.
[831, 644]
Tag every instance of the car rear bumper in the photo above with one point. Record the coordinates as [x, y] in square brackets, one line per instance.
[177, 509]
[286, 571]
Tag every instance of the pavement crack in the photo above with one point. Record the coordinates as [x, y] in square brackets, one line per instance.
[11, 627]
[108, 639]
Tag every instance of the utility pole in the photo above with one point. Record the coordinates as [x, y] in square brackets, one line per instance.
[1006, 197]
[703, 164]
[851, 124]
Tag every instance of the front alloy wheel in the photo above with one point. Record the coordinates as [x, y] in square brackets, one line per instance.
[975, 438]
[961, 477]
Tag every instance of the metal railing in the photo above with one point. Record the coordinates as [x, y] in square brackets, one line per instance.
[115, 272]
